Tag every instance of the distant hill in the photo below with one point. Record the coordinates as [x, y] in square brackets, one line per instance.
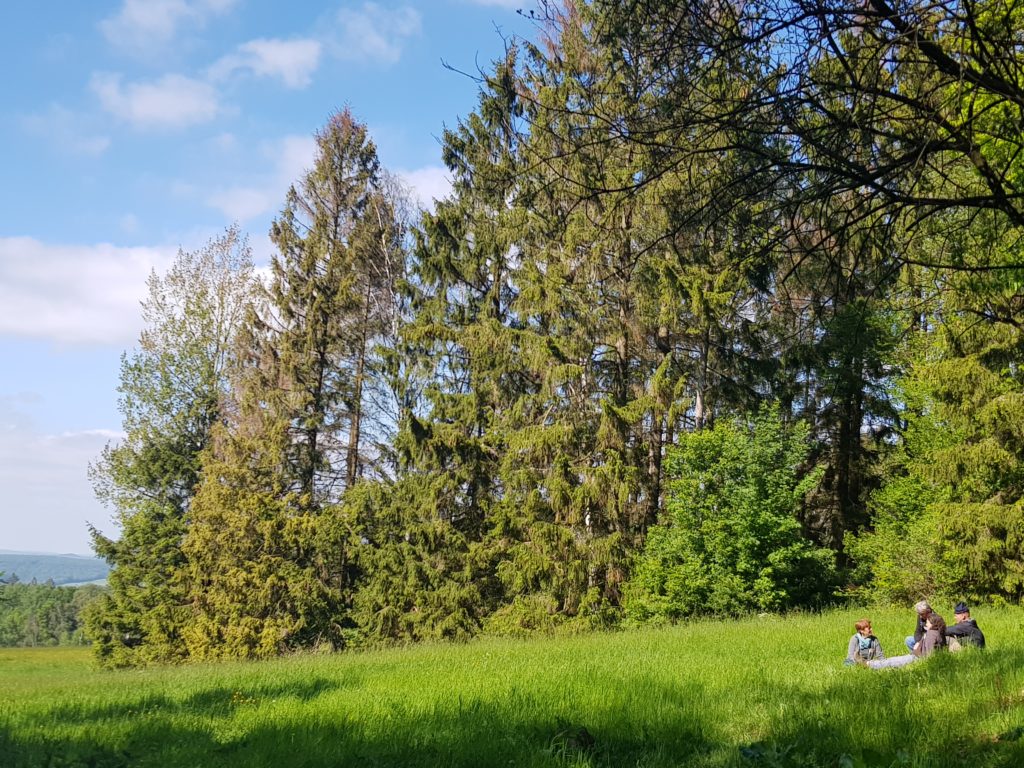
[63, 569]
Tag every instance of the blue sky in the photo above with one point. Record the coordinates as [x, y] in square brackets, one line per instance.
[132, 128]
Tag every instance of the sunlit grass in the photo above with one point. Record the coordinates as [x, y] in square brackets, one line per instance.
[764, 691]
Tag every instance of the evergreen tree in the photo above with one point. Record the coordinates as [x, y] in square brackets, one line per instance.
[947, 521]
[636, 311]
[265, 574]
[430, 560]
[314, 298]
[836, 320]
[271, 561]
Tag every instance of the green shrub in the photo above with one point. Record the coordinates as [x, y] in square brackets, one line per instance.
[731, 541]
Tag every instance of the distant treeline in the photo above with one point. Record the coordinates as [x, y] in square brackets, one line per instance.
[60, 569]
[43, 614]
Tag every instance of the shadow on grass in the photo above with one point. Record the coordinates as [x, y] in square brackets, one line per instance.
[859, 719]
[154, 728]
[923, 715]
[43, 751]
[522, 730]
[216, 702]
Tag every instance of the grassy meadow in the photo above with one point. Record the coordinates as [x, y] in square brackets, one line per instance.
[759, 692]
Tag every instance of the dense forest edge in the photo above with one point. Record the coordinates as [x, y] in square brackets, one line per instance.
[722, 316]
[43, 596]
[41, 615]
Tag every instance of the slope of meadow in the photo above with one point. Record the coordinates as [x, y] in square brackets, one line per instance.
[764, 691]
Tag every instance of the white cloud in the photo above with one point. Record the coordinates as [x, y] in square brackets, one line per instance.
[74, 293]
[295, 156]
[144, 25]
[291, 61]
[45, 482]
[287, 159]
[183, 190]
[427, 184]
[65, 130]
[241, 203]
[512, 5]
[100, 434]
[173, 101]
[373, 33]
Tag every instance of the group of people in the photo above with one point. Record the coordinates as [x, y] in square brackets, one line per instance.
[931, 634]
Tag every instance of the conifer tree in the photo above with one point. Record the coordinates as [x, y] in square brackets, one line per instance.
[636, 315]
[271, 560]
[318, 302]
[948, 517]
[462, 338]
[265, 573]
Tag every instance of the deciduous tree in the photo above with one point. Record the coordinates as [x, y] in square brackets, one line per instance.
[172, 386]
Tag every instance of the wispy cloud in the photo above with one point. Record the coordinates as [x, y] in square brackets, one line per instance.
[369, 33]
[295, 156]
[65, 131]
[427, 184]
[286, 159]
[224, 142]
[173, 101]
[129, 223]
[45, 476]
[373, 33]
[141, 26]
[74, 293]
[291, 61]
[242, 203]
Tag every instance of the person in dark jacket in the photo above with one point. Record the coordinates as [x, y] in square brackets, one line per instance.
[965, 631]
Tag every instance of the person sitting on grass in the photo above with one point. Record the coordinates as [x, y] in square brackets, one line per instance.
[863, 646]
[965, 631]
[934, 636]
[927, 640]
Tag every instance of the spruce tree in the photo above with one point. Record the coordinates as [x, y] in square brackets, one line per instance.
[317, 302]
[636, 310]
[948, 517]
[429, 566]
[271, 560]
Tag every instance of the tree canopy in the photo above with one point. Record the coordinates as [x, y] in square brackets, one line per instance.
[722, 314]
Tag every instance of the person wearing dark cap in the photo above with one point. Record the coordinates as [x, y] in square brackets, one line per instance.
[965, 631]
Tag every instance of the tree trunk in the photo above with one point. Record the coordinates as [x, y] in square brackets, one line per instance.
[352, 457]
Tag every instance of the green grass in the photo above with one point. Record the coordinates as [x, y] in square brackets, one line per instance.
[760, 692]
